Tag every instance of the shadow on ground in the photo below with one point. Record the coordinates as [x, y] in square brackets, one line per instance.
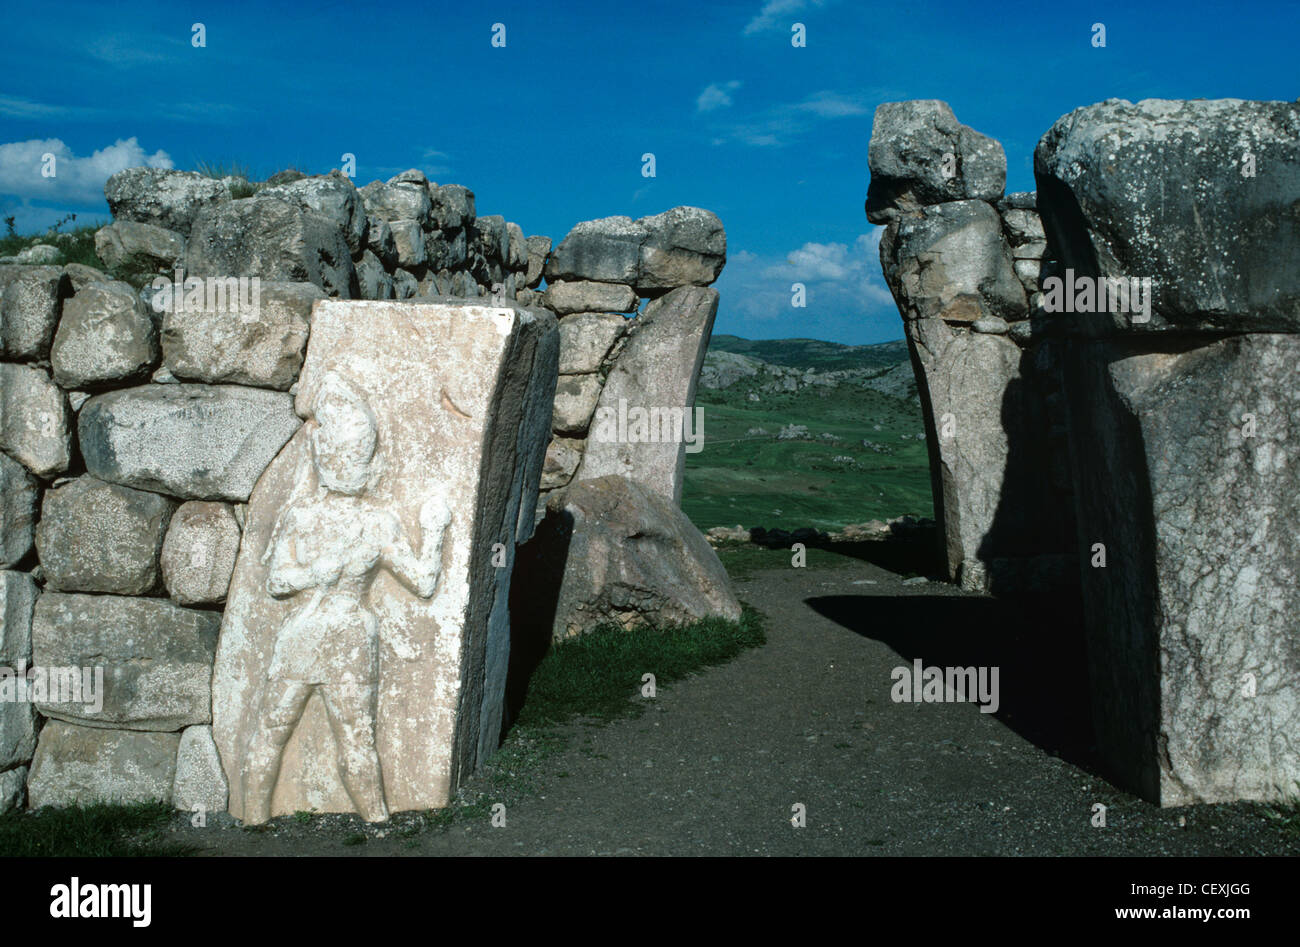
[1042, 675]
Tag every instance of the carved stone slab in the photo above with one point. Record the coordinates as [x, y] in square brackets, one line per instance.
[363, 652]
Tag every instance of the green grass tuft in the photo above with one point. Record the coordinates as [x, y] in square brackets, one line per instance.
[90, 831]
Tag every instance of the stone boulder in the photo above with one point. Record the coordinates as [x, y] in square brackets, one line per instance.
[133, 250]
[563, 297]
[397, 200]
[658, 368]
[263, 349]
[586, 338]
[682, 246]
[539, 248]
[429, 422]
[105, 336]
[633, 558]
[195, 442]
[1221, 253]
[198, 555]
[332, 196]
[19, 497]
[163, 197]
[30, 301]
[453, 207]
[200, 782]
[18, 595]
[102, 537]
[921, 155]
[35, 420]
[85, 765]
[274, 240]
[575, 400]
[156, 659]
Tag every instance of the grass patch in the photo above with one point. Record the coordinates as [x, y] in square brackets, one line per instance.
[596, 674]
[242, 187]
[110, 831]
[75, 245]
[742, 560]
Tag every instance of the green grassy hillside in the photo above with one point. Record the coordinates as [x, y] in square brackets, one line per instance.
[749, 476]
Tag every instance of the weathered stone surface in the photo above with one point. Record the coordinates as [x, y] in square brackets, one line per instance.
[1157, 190]
[38, 254]
[29, 309]
[492, 237]
[405, 285]
[273, 240]
[586, 338]
[13, 789]
[575, 400]
[200, 782]
[162, 197]
[262, 348]
[682, 246]
[196, 442]
[423, 449]
[685, 246]
[102, 537]
[373, 281]
[516, 248]
[408, 239]
[564, 297]
[19, 496]
[105, 335]
[1188, 471]
[453, 207]
[633, 558]
[17, 717]
[966, 380]
[921, 155]
[950, 261]
[539, 248]
[81, 276]
[133, 249]
[379, 240]
[397, 200]
[332, 196]
[84, 765]
[446, 249]
[658, 368]
[156, 659]
[198, 555]
[34, 420]
[562, 457]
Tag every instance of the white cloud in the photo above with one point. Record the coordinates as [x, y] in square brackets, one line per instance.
[777, 13]
[78, 181]
[840, 280]
[716, 96]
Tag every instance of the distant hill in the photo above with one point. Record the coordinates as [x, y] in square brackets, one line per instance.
[814, 353]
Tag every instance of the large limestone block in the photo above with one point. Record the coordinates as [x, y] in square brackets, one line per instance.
[633, 558]
[951, 261]
[35, 420]
[972, 398]
[273, 240]
[921, 155]
[17, 716]
[1199, 196]
[196, 442]
[19, 498]
[30, 299]
[658, 368]
[263, 349]
[583, 296]
[105, 335]
[156, 659]
[364, 645]
[680, 247]
[84, 765]
[198, 555]
[162, 197]
[1187, 469]
[102, 537]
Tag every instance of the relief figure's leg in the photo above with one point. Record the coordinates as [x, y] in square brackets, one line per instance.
[351, 710]
[282, 706]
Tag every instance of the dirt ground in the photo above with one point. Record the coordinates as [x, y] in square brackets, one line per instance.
[716, 763]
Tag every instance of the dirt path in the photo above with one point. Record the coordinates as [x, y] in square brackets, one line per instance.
[715, 764]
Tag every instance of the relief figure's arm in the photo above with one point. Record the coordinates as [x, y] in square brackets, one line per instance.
[419, 573]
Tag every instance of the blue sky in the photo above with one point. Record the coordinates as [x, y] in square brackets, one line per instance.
[550, 129]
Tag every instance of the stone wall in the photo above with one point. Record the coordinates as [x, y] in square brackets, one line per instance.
[1160, 422]
[138, 409]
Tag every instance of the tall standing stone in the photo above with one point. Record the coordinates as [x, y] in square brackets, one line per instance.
[364, 646]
